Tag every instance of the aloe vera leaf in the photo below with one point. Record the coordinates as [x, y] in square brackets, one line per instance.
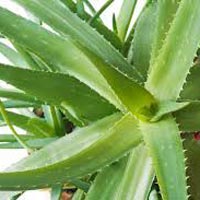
[188, 117]
[78, 195]
[56, 192]
[18, 104]
[80, 8]
[130, 178]
[140, 51]
[167, 107]
[82, 152]
[35, 126]
[191, 89]
[12, 55]
[124, 17]
[11, 138]
[18, 95]
[33, 143]
[98, 25]
[165, 15]
[84, 102]
[54, 119]
[153, 195]
[107, 181]
[165, 147]
[192, 147]
[138, 176]
[184, 37]
[55, 51]
[132, 96]
[65, 22]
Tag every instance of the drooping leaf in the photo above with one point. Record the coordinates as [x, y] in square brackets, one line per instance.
[67, 23]
[61, 90]
[166, 80]
[164, 145]
[86, 148]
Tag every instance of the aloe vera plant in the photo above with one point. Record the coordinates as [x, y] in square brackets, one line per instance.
[132, 96]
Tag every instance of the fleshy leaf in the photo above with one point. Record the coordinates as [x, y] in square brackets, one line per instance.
[86, 147]
[166, 80]
[141, 46]
[130, 178]
[61, 90]
[64, 21]
[164, 145]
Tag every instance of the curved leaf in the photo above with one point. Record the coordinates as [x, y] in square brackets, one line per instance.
[82, 152]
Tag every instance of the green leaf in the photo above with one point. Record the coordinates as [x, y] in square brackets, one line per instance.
[33, 143]
[11, 138]
[12, 55]
[18, 95]
[130, 178]
[59, 53]
[192, 148]
[78, 195]
[141, 46]
[35, 126]
[56, 192]
[66, 23]
[167, 107]
[132, 96]
[82, 152]
[124, 17]
[165, 15]
[188, 117]
[153, 195]
[179, 49]
[18, 104]
[164, 145]
[98, 25]
[191, 90]
[61, 90]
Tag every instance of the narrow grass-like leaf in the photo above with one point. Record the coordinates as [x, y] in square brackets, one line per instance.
[124, 17]
[179, 49]
[12, 55]
[165, 148]
[140, 51]
[61, 90]
[67, 23]
[82, 152]
[11, 138]
[56, 192]
[59, 53]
